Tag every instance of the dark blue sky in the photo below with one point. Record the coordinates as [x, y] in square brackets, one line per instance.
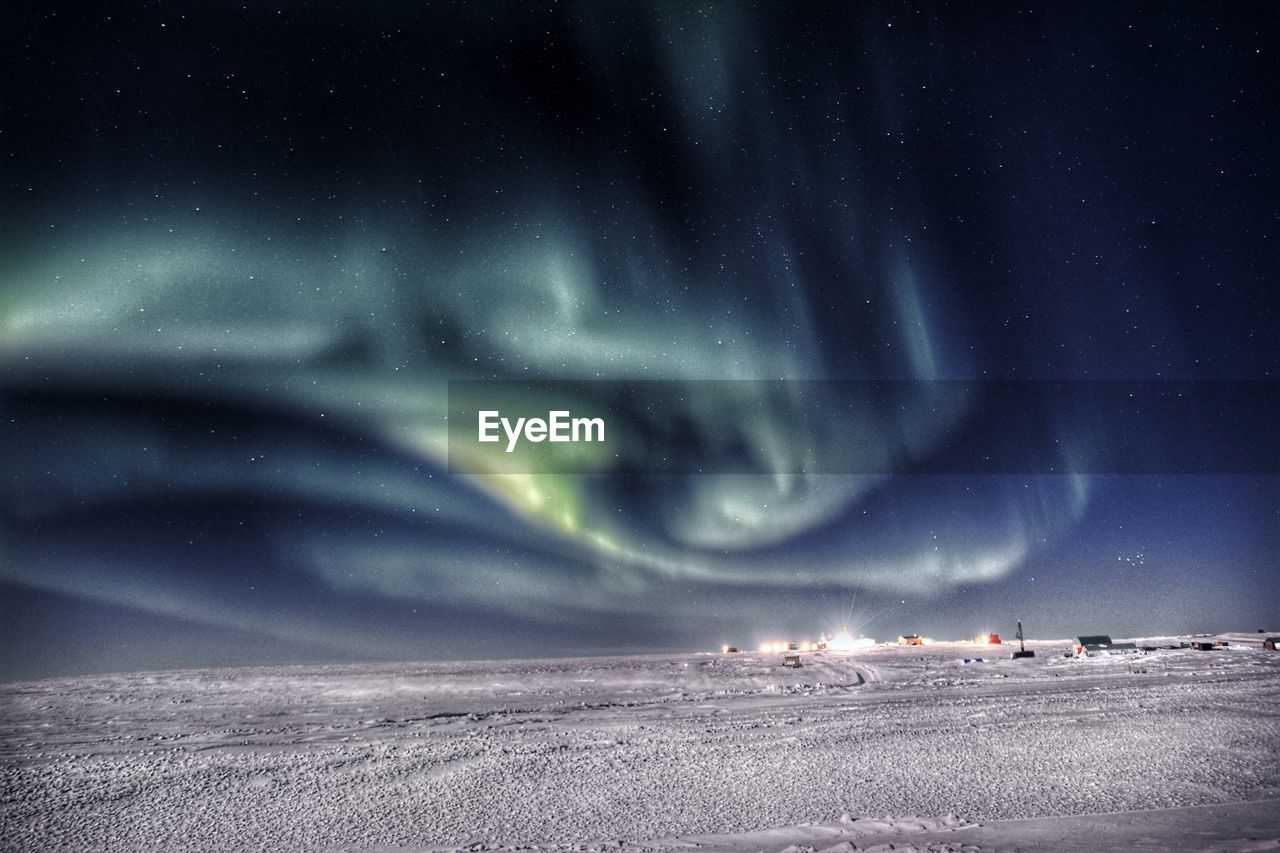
[245, 249]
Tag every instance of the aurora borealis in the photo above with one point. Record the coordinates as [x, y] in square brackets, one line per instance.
[247, 248]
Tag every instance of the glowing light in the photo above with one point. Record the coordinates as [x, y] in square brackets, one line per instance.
[844, 642]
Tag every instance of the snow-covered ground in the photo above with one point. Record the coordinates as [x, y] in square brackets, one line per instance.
[903, 746]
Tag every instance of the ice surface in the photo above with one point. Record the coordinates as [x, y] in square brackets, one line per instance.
[1172, 750]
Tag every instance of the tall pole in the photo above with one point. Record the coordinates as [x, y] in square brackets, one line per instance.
[1021, 645]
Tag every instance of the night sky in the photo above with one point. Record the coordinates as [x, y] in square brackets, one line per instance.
[243, 250]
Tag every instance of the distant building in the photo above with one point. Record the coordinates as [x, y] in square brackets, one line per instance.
[911, 640]
[1093, 645]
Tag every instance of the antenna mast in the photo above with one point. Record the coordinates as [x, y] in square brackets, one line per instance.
[1022, 645]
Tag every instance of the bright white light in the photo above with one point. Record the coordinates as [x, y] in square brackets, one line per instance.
[844, 642]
